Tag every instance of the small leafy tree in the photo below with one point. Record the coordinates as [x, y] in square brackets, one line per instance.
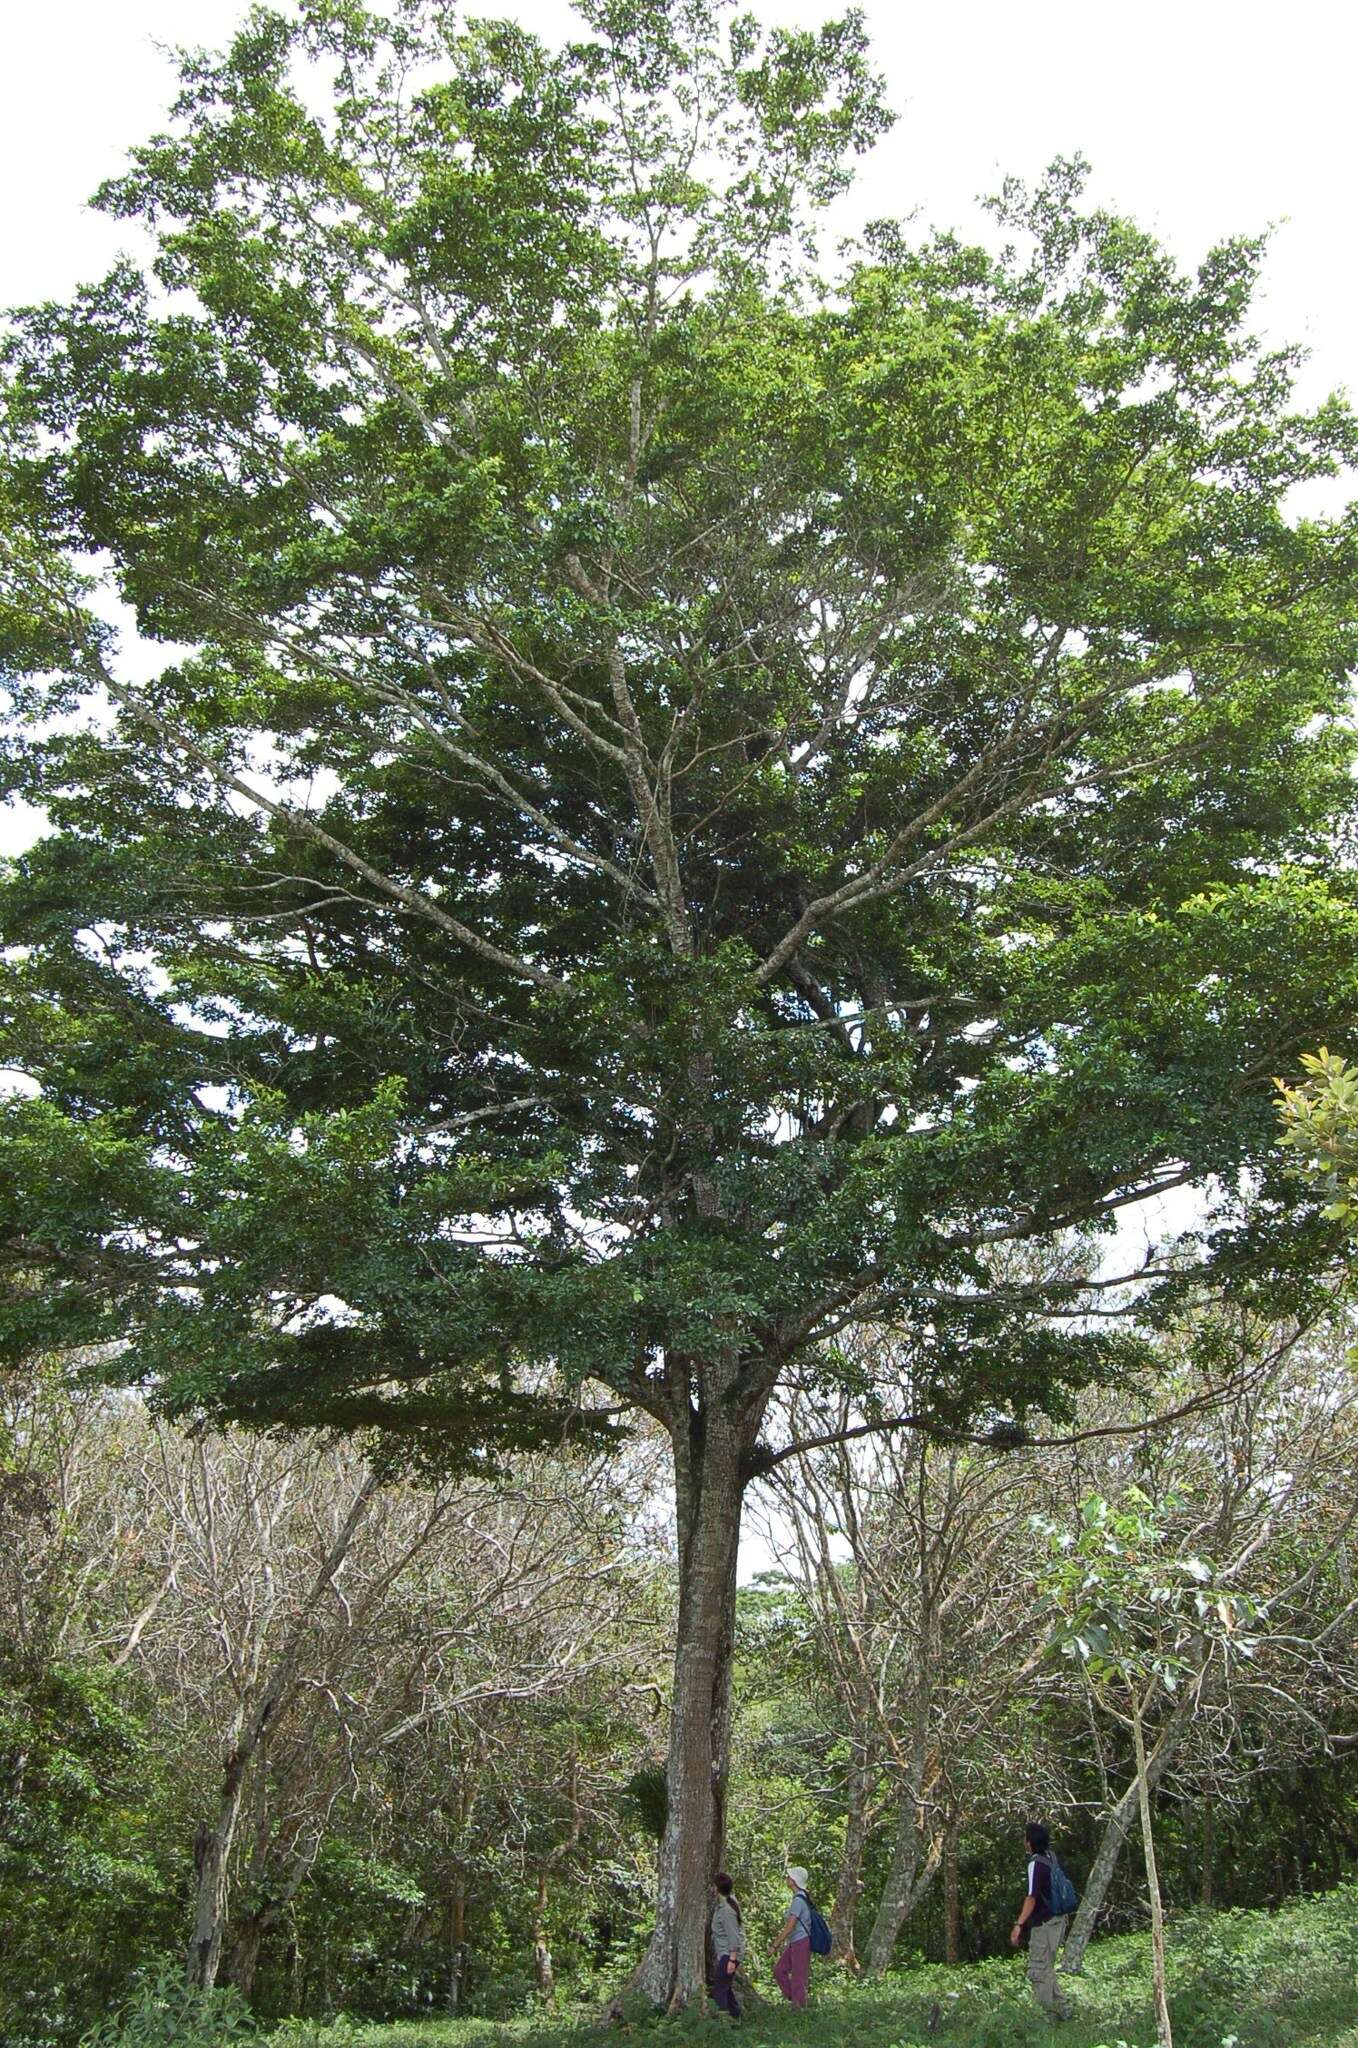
[1139, 1619]
[163, 2011]
[1320, 1125]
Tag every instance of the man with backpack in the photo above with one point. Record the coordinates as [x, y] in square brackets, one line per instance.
[802, 1935]
[1046, 1914]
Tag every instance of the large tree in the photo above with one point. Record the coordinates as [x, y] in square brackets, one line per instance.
[666, 800]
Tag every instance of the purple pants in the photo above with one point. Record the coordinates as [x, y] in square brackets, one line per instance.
[792, 1971]
[724, 1987]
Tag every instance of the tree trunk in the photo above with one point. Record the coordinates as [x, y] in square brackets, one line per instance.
[1116, 1831]
[211, 1858]
[241, 1960]
[1152, 1883]
[246, 1929]
[902, 1886]
[275, 1880]
[296, 1972]
[952, 1903]
[900, 1881]
[457, 1944]
[850, 1885]
[543, 1975]
[908, 1881]
[1207, 1873]
[709, 1485]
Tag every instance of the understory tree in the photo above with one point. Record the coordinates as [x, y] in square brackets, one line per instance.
[1264, 1468]
[666, 802]
[300, 1673]
[916, 1571]
[1141, 1621]
[914, 1563]
[1320, 1124]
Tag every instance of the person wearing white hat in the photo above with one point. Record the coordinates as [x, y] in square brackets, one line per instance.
[792, 1971]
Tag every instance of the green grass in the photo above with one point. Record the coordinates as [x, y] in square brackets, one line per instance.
[1247, 1980]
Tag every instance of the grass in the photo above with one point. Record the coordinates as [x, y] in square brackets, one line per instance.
[1236, 1980]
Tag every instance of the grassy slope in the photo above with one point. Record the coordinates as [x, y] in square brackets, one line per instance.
[1249, 1980]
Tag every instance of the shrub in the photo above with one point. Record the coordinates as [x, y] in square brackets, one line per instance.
[165, 2012]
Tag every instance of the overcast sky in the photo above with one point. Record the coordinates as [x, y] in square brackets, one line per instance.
[1201, 118]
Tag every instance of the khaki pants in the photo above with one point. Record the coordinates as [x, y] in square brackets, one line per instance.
[1043, 1946]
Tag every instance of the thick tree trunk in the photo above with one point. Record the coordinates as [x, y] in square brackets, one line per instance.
[709, 1486]
[1118, 1827]
[246, 1930]
[850, 1885]
[241, 1960]
[1152, 1883]
[543, 1974]
[908, 1881]
[275, 1880]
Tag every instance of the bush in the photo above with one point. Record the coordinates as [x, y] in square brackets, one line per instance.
[82, 1898]
[165, 2012]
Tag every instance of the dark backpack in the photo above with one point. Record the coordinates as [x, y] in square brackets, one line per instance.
[822, 1941]
[1064, 1896]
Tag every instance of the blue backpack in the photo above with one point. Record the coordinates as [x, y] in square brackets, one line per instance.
[1064, 1896]
[822, 1941]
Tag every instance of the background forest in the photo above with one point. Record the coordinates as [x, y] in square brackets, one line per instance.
[442, 1710]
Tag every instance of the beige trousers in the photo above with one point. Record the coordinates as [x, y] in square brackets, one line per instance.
[1044, 1944]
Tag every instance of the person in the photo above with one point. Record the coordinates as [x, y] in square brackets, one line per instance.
[792, 1971]
[728, 1939]
[1046, 1929]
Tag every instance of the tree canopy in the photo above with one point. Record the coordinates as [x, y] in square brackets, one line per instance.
[676, 800]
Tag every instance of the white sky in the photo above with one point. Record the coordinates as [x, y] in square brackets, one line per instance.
[1201, 118]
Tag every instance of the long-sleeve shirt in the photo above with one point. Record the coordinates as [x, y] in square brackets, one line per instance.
[728, 1936]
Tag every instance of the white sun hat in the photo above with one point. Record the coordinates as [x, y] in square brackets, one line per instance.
[799, 1877]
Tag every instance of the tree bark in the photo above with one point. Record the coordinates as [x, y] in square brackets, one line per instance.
[241, 1960]
[211, 1859]
[709, 1486]
[457, 1944]
[952, 1905]
[1207, 1872]
[1152, 1883]
[543, 1975]
[924, 1878]
[850, 1886]
[1116, 1831]
[905, 1884]
[245, 1931]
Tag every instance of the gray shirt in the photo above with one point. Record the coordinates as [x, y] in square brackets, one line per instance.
[728, 1936]
[800, 1913]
